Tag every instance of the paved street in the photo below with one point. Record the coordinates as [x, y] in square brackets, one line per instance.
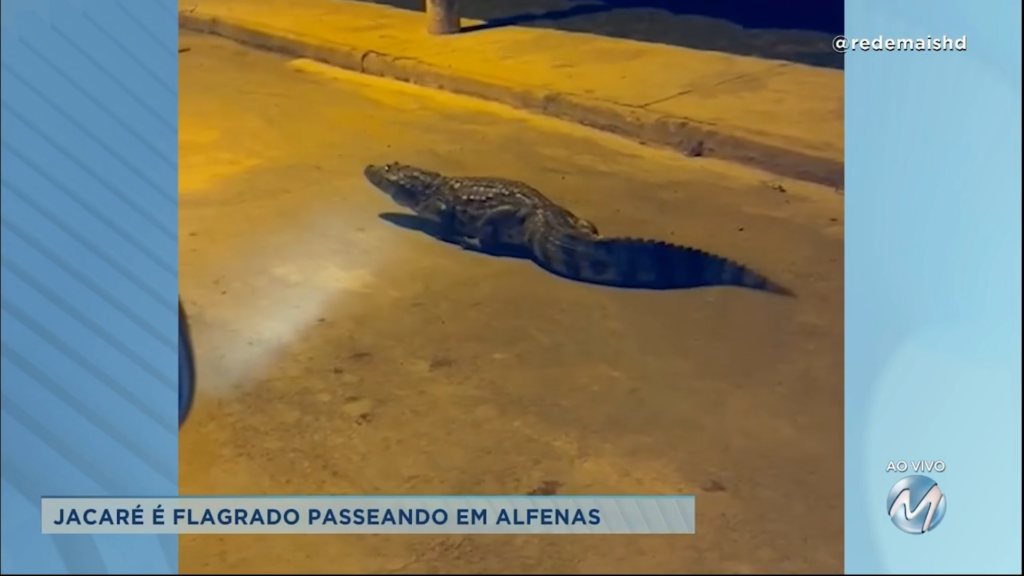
[341, 354]
[792, 31]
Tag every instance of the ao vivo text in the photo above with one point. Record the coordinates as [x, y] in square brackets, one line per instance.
[916, 466]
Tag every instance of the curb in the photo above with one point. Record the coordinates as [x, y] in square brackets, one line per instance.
[679, 134]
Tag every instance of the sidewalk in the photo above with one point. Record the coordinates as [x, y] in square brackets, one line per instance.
[784, 118]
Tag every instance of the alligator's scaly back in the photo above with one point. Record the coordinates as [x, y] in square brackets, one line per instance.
[643, 264]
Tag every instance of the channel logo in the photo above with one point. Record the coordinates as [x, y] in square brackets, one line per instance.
[916, 504]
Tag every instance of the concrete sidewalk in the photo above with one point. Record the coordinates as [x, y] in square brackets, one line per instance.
[780, 117]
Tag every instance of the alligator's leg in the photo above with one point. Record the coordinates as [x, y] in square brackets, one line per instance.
[470, 243]
[498, 229]
[446, 220]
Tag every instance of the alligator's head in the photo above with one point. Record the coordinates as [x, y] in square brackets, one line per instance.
[408, 186]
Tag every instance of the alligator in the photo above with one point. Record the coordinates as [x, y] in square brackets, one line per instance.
[501, 216]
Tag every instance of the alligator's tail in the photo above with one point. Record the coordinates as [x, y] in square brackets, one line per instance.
[644, 264]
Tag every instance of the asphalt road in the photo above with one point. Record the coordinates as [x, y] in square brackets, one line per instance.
[340, 354]
[792, 31]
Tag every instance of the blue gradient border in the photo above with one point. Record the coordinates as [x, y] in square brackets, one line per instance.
[89, 273]
[933, 297]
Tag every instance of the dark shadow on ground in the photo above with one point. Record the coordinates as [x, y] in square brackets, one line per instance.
[794, 31]
[678, 267]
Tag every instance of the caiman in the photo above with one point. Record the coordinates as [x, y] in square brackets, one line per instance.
[497, 215]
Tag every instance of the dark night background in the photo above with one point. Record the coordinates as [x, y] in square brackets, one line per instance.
[794, 30]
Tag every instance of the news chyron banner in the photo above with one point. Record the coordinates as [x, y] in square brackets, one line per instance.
[371, 515]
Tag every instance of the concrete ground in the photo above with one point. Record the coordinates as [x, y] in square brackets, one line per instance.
[340, 354]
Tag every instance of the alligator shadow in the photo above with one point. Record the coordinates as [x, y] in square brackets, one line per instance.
[696, 269]
[432, 229]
